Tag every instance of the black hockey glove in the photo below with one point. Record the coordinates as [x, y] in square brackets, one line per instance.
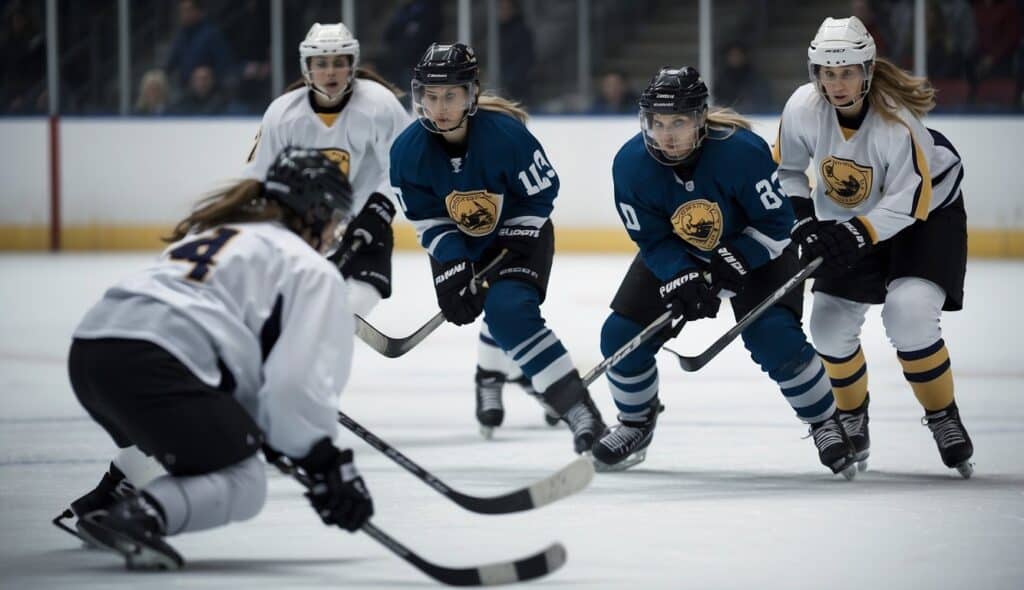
[689, 296]
[805, 230]
[729, 270]
[841, 244]
[519, 240]
[372, 224]
[459, 299]
[337, 493]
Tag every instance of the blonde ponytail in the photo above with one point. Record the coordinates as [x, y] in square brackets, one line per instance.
[892, 88]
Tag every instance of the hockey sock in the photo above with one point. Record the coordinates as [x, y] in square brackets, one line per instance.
[849, 377]
[805, 385]
[929, 374]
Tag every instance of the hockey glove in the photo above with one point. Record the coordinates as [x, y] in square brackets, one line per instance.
[372, 224]
[459, 299]
[841, 244]
[519, 240]
[337, 493]
[689, 296]
[805, 230]
[729, 270]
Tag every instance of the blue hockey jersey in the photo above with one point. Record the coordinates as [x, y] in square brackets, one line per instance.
[678, 216]
[459, 202]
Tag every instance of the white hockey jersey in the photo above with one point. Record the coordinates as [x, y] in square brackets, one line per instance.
[887, 174]
[258, 298]
[358, 138]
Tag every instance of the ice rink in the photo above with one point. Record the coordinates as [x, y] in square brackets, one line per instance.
[730, 496]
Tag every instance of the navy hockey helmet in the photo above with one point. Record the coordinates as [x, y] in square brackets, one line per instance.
[444, 64]
[669, 139]
[311, 186]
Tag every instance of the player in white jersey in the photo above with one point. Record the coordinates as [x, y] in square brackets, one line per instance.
[239, 335]
[886, 213]
[352, 116]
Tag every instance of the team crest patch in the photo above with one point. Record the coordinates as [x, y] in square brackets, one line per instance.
[475, 212]
[846, 182]
[699, 222]
[339, 157]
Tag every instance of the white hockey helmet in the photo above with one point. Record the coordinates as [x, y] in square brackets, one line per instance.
[841, 42]
[329, 39]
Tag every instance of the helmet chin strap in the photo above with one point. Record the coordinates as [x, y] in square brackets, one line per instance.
[331, 101]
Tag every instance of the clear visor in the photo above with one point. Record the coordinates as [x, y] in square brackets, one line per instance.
[333, 232]
[672, 137]
[836, 83]
[330, 75]
[443, 108]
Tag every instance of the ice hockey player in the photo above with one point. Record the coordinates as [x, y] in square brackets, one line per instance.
[474, 182]
[698, 193]
[238, 335]
[887, 215]
[352, 116]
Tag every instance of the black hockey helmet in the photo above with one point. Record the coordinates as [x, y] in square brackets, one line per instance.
[446, 64]
[674, 91]
[311, 186]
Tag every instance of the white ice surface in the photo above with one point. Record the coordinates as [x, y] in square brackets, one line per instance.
[729, 497]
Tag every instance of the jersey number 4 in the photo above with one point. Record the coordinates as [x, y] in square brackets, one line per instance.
[541, 172]
[202, 251]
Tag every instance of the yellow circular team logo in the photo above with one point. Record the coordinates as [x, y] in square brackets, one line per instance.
[846, 182]
[475, 212]
[339, 157]
[699, 222]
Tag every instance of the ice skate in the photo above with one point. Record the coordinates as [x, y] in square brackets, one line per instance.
[855, 423]
[134, 528]
[550, 417]
[625, 445]
[955, 446]
[489, 410]
[835, 450]
[112, 487]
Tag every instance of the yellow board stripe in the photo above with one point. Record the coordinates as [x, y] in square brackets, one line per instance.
[981, 243]
[927, 363]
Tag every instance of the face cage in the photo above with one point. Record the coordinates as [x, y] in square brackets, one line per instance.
[865, 87]
[647, 119]
[469, 108]
[307, 76]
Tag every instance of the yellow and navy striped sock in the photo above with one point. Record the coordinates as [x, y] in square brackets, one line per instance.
[929, 374]
[849, 376]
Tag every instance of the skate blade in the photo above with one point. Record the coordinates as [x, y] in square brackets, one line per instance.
[487, 432]
[966, 469]
[137, 555]
[862, 466]
[862, 460]
[630, 461]
[849, 472]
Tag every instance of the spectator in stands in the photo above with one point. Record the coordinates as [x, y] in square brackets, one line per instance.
[738, 85]
[197, 42]
[615, 97]
[251, 45]
[998, 25]
[204, 96]
[516, 51]
[952, 38]
[153, 94]
[22, 59]
[412, 28]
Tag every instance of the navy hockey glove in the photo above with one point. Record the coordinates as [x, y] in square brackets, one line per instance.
[459, 299]
[338, 493]
[689, 296]
[372, 224]
[519, 240]
[841, 244]
[729, 270]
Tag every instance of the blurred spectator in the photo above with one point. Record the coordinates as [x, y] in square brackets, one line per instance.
[251, 44]
[516, 51]
[615, 96]
[998, 25]
[738, 85]
[952, 38]
[153, 94]
[197, 42]
[868, 14]
[23, 57]
[412, 28]
[203, 96]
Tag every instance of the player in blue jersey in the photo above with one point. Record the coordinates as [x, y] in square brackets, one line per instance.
[699, 194]
[474, 182]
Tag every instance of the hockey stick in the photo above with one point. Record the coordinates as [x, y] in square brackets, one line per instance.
[396, 347]
[694, 363]
[534, 566]
[644, 335]
[566, 481]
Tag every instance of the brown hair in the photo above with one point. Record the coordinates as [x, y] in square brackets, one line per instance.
[493, 102]
[236, 204]
[892, 88]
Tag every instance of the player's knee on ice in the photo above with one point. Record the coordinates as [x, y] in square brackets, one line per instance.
[911, 313]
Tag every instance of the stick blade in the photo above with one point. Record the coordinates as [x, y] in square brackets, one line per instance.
[535, 566]
[565, 482]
